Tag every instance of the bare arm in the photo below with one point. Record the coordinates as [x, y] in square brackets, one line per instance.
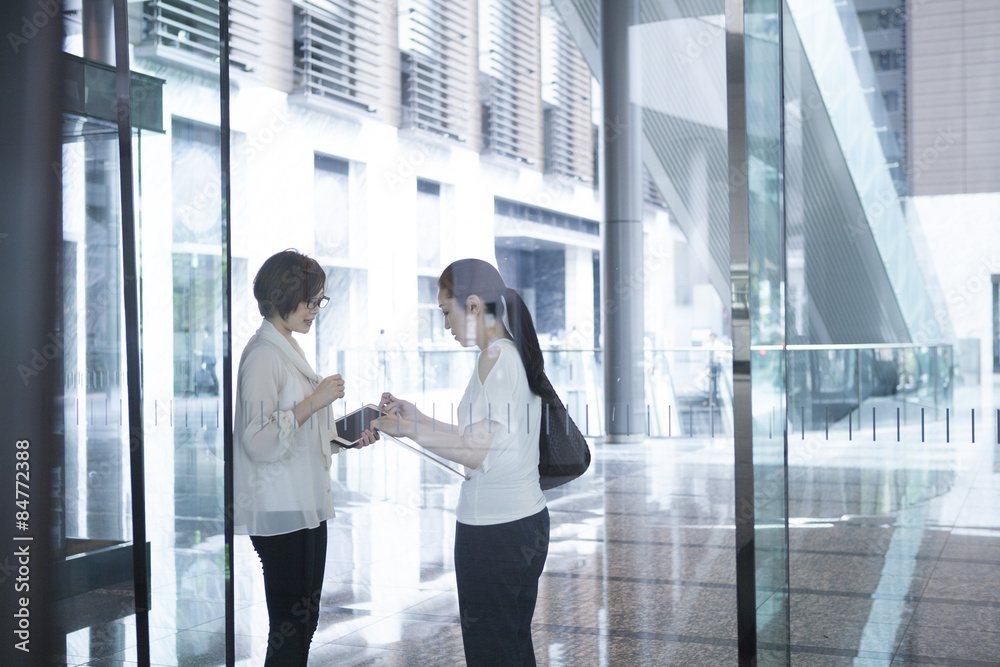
[403, 420]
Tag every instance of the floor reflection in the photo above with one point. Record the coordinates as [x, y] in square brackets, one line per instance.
[889, 556]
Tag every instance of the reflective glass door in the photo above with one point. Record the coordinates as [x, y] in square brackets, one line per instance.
[758, 280]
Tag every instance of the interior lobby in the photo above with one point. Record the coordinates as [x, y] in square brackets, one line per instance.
[756, 238]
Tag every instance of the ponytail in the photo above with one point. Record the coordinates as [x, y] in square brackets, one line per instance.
[522, 330]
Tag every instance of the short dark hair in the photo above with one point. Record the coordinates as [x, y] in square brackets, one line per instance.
[285, 280]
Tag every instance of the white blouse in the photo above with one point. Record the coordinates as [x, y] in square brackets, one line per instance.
[281, 471]
[505, 485]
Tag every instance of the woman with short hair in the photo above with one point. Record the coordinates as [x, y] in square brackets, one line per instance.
[282, 454]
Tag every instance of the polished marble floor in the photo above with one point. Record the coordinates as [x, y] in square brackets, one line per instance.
[894, 558]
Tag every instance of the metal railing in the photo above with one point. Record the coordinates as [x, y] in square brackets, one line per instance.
[843, 386]
[688, 391]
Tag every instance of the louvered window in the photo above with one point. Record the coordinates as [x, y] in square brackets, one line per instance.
[189, 29]
[512, 107]
[244, 33]
[566, 90]
[336, 55]
[435, 51]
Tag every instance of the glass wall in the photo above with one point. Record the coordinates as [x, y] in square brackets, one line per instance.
[764, 176]
[388, 139]
[184, 277]
[386, 187]
[95, 402]
[176, 181]
[887, 321]
[94, 521]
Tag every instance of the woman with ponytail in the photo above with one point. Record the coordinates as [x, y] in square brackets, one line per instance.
[502, 532]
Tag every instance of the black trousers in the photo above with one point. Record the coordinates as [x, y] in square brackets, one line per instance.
[497, 569]
[293, 582]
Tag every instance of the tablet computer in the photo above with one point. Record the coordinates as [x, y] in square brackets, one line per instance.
[350, 427]
[439, 463]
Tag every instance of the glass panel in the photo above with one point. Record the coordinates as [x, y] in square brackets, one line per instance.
[428, 215]
[177, 179]
[94, 517]
[183, 329]
[828, 39]
[767, 326]
[872, 414]
[181, 334]
[386, 154]
[332, 209]
[431, 319]
[96, 480]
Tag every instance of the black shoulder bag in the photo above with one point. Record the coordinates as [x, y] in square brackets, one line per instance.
[563, 454]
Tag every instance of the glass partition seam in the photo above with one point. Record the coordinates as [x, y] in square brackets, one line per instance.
[786, 381]
[739, 277]
[132, 345]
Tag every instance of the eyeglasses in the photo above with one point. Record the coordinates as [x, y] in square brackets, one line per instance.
[318, 303]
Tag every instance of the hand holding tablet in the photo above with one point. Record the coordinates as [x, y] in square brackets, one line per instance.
[350, 429]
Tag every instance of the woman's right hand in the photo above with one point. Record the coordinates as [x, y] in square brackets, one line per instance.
[399, 416]
[329, 390]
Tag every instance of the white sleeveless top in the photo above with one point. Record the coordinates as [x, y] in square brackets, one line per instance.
[505, 485]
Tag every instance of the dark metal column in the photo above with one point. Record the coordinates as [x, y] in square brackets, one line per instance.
[30, 234]
[130, 266]
[227, 336]
[739, 251]
[624, 392]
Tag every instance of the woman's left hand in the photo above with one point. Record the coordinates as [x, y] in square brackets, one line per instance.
[367, 438]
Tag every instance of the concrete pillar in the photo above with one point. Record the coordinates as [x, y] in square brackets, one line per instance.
[624, 399]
